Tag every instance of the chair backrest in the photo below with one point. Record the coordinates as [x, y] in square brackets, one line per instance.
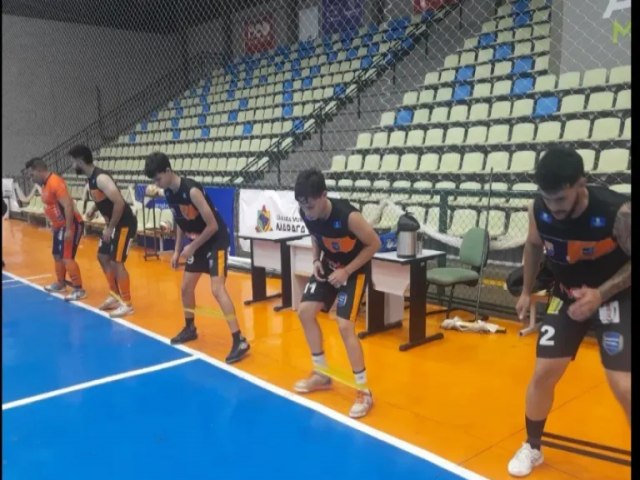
[475, 247]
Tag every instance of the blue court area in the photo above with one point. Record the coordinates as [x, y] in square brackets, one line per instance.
[185, 420]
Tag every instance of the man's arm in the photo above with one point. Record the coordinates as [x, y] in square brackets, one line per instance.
[179, 237]
[63, 197]
[533, 251]
[202, 206]
[369, 238]
[315, 249]
[621, 280]
[110, 189]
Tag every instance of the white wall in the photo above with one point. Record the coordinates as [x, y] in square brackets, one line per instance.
[49, 75]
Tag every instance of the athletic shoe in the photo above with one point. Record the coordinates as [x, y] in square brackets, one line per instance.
[76, 294]
[56, 287]
[238, 351]
[524, 461]
[121, 311]
[109, 304]
[316, 381]
[364, 403]
[186, 335]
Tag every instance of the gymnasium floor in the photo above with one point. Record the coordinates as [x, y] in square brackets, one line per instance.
[88, 397]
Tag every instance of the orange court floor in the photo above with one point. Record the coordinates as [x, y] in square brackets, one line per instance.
[461, 398]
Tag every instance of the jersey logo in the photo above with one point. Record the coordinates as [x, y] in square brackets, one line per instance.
[598, 222]
[548, 247]
[342, 299]
[546, 217]
[612, 342]
[335, 246]
[337, 224]
[184, 195]
[588, 251]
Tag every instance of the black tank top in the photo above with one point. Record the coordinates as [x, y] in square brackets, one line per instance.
[187, 216]
[339, 244]
[104, 205]
[582, 251]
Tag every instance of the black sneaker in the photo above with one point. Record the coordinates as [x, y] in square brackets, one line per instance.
[186, 335]
[239, 351]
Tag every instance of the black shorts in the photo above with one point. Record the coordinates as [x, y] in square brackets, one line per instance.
[560, 336]
[118, 247]
[210, 258]
[66, 250]
[349, 295]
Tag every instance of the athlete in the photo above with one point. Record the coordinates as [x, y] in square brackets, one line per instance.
[66, 224]
[585, 233]
[343, 246]
[119, 232]
[198, 220]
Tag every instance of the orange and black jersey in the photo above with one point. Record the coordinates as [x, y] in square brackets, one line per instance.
[103, 204]
[582, 251]
[339, 244]
[187, 216]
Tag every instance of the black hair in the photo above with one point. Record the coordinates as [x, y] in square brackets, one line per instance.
[36, 163]
[82, 152]
[310, 184]
[156, 163]
[558, 168]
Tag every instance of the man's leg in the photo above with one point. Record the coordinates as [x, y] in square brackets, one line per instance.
[104, 258]
[188, 295]
[620, 383]
[69, 254]
[123, 236]
[60, 284]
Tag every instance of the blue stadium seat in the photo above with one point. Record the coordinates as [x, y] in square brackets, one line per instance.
[367, 38]
[231, 94]
[373, 48]
[233, 84]
[176, 103]
[522, 65]
[287, 97]
[248, 81]
[339, 90]
[390, 57]
[132, 138]
[465, 73]
[287, 85]
[154, 115]
[206, 89]
[298, 125]
[175, 135]
[296, 74]
[332, 57]
[365, 62]
[202, 119]
[179, 111]
[462, 91]
[247, 129]
[522, 86]
[486, 39]
[404, 117]
[144, 125]
[408, 43]
[287, 110]
[206, 108]
[243, 103]
[520, 6]
[193, 92]
[372, 27]
[346, 42]
[352, 53]
[233, 116]
[546, 106]
[504, 50]
[175, 122]
[295, 63]
[203, 100]
[522, 19]
[279, 66]
[315, 70]
[307, 82]
[204, 132]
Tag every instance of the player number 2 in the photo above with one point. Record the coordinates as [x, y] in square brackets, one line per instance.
[547, 333]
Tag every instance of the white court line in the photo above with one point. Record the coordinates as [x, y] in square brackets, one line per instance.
[14, 286]
[338, 417]
[93, 383]
[44, 275]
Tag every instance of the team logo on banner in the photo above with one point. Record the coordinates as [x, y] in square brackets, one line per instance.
[259, 35]
[263, 223]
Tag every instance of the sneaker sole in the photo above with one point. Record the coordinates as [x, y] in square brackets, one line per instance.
[521, 475]
[361, 414]
[235, 360]
[121, 315]
[316, 389]
[183, 341]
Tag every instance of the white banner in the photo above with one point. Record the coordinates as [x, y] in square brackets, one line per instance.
[266, 211]
[8, 192]
[308, 29]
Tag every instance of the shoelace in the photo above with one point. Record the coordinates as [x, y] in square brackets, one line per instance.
[525, 454]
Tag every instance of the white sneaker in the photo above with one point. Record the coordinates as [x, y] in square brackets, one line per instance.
[109, 304]
[121, 311]
[316, 381]
[56, 287]
[364, 402]
[76, 294]
[524, 460]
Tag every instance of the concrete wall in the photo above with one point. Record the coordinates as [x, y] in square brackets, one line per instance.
[50, 71]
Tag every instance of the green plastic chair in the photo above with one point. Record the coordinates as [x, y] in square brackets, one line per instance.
[473, 252]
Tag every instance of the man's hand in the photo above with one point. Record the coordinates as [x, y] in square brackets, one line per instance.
[318, 271]
[188, 251]
[175, 259]
[588, 300]
[107, 234]
[522, 307]
[339, 277]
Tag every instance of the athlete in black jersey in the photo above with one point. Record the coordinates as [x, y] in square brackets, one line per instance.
[343, 245]
[119, 232]
[585, 233]
[198, 220]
